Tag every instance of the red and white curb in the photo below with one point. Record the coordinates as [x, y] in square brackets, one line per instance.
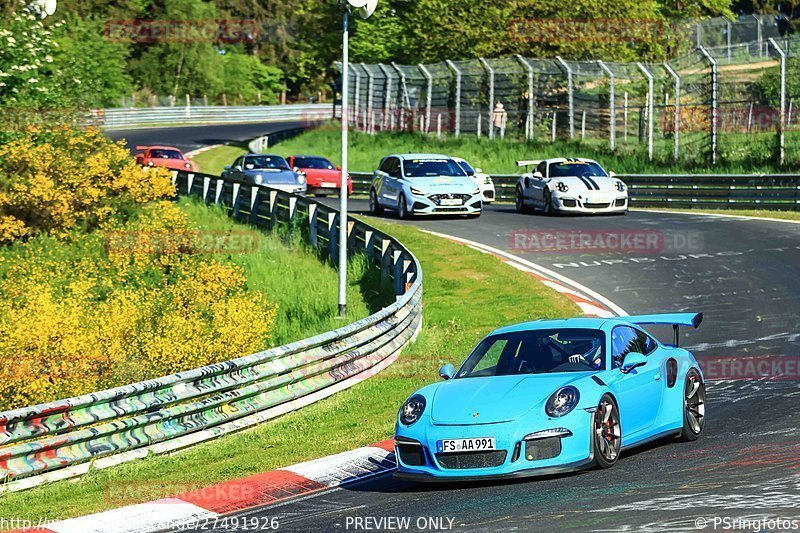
[204, 505]
[193, 153]
[590, 302]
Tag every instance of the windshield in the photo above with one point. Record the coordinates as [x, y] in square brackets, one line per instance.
[165, 154]
[579, 169]
[426, 168]
[466, 168]
[313, 162]
[262, 162]
[536, 352]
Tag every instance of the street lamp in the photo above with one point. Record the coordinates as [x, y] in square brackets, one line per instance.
[364, 8]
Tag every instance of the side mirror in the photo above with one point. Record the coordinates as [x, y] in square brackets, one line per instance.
[612, 174]
[296, 169]
[537, 174]
[227, 167]
[478, 171]
[237, 168]
[338, 167]
[631, 361]
[447, 371]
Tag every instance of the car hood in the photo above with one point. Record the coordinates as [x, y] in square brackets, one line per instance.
[273, 176]
[443, 184]
[322, 173]
[490, 400]
[590, 185]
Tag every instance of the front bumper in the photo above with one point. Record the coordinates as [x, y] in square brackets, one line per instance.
[328, 188]
[570, 203]
[488, 192]
[287, 187]
[436, 204]
[425, 464]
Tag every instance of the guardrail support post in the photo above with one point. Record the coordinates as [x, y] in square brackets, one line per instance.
[218, 191]
[235, 200]
[490, 71]
[292, 211]
[369, 246]
[676, 125]
[782, 123]
[273, 209]
[333, 243]
[312, 225]
[399, 278]
[189, 183]
[612, 109]
[714, 103]
[458, 96]
[254, 193]
[428, 97]
[385, 260]
[530, 118]
[570, 96]
[206, 187]
[650, 99]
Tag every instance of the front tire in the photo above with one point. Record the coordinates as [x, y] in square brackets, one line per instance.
[607, 439]
[374, 207]
[402, 208]
[548, 203]
[694, 406]
[519, 201]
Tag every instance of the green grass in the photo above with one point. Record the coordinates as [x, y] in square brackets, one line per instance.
[780, 215]
[466, 294]
[739, 153]
[305, 288]
[214, 161]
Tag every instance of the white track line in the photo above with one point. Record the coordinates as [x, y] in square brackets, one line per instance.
[716, 215]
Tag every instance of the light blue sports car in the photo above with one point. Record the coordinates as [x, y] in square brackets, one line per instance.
[423, 184]
[552, 396]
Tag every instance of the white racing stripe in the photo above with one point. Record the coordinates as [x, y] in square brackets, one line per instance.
[140, 518]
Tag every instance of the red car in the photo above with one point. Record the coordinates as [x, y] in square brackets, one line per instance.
[322, 177]
[162, 156]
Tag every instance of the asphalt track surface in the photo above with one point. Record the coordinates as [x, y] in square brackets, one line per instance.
[743, 274]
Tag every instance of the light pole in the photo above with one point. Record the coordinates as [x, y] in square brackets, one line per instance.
[365, 9]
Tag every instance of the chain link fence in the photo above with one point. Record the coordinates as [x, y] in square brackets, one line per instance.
[720, 101]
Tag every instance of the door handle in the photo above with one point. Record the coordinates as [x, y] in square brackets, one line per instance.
[657, 377]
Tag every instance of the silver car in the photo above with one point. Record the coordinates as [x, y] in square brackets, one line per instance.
[268, 170]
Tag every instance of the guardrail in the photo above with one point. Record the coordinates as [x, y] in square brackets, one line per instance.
[66, 438]
[259, 145]
[762, 191]
[154, 116]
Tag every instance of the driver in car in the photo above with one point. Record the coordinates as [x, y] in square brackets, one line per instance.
[592, 358]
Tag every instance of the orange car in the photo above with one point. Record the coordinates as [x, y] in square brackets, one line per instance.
[162, 156]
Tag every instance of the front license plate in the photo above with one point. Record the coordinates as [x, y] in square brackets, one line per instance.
[328, 185]
[478, 444]
[451, 201]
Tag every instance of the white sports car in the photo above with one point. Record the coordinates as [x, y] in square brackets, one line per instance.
[570, 185]
[481, 179]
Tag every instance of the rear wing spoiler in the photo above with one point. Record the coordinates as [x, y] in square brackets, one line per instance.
[674, 319]
[528, 162]
[142, 148]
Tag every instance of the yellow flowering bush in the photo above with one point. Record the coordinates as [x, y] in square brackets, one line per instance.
[52, 181]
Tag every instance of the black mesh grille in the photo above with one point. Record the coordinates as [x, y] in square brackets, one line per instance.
[411, 454]
[536, 450]
[436, 198]
[569, 203]
[619, 202]
[596, 206]
[489, 195]
[471, 459]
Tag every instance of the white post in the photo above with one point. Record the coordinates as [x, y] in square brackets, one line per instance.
[553, 127]
[676, 126]
[625, 118]
[429, 96]
[570, 96]
[490, 70]
[343, 188]
[529, 120]
[439, 126]
[714, 103]
[458, 96]
[649, 77]
[370, 90]
[782, 124]
[583, 125]
[611, 105]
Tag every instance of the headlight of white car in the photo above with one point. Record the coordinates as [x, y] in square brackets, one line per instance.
[417, 192]
[487, 180]
[562, 187]
[620, 186]
[476, 191]
[301, 177]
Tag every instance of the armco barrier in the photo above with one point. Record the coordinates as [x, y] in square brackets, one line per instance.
[68, 437]
[155, 116]
[762, 191]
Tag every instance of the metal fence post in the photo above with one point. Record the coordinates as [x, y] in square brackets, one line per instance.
[428, 96]
[760, 35]
[387, 95]
[728, 31]
[404, 99]
[650, 101]
[490, 70]
[782, 123]
[570, 96]
[370, 90]
[356, 95]
[612, 140]
[529, 120]
[714, 103]
[458, 96]
[676, 126]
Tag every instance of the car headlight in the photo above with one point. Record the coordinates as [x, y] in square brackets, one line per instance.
[476, 191]
[259, 179]
[301, 177]
[562, 187]
[620, 186]
[187, 165]
[417, 192]
[149, 163]
[412, 410]
[562, 401]
[487, 180]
